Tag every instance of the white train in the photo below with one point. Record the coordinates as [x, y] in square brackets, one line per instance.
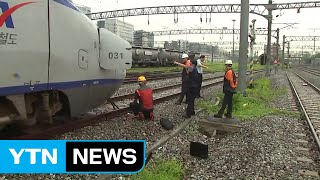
[55, 61]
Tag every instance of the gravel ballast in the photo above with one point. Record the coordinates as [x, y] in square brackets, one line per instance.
[264, 148]
[123, 128]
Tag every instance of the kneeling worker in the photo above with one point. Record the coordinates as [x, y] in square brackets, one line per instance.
[229, 87]
[143, 109]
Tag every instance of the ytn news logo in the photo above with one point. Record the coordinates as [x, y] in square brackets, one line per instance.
[60, 156]
[5, 17]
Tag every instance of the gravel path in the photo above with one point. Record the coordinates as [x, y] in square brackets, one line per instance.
[121, 128]
[125, 128]
[264, 148]
[310, 77]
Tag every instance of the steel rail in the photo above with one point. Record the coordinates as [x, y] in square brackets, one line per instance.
[312, 129]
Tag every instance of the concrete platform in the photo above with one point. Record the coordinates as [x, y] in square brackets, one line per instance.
[226, 125]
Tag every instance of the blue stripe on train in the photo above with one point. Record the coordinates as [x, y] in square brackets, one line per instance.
[4, 91]
[68, 4]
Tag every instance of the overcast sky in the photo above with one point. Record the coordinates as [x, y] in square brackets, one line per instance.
[308, 19]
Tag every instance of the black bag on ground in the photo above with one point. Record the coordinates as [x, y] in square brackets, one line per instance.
[199, 150]
[166, 123]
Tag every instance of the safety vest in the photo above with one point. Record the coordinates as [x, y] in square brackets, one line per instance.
[226, 83]
[185, 72]
[145, 97]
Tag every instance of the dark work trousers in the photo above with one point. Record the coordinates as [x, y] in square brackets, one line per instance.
[200, 85]
[183, 91]
[227, 100]
[136, 108]
[191, 95]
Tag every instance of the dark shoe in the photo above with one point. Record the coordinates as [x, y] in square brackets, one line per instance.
[186, 116]
[178, 103]
[217, 116]
[228, 116]
[141, 116]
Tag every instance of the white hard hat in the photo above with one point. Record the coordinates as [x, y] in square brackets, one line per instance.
[228, 62]
[185, 56]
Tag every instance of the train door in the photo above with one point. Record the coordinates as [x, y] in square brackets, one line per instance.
[69, 54]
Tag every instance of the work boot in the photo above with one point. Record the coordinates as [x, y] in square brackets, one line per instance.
[152, 116]
[179, 101]
[217, 115]
[186, 116]
[141, 116]
[228, 115]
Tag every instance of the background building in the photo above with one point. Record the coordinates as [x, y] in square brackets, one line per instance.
[120, 28]
[143, 38]
[180, 45]
[84, 9]
[273, 50]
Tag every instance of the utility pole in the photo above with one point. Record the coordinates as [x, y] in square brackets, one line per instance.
[283, 47]
[288, 54]
[212, 54]
[301, 55]
[269, 40]
[243, 50]
[233, 40]
[278, 45]
[314, 45]
[179, 48]
[252, 42]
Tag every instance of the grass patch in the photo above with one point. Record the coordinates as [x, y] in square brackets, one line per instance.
[162, 170]
[256, 104]
[154, 69]
[213, 67]
[220, 67]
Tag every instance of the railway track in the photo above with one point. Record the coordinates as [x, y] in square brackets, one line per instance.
[132, 78]
[104, 113]
[309, 70]
[307, 97]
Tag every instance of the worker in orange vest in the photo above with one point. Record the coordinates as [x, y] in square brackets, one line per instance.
[185, 64]
[144, 94]
[229, 88]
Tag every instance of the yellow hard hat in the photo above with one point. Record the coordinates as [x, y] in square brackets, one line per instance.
[141, 79]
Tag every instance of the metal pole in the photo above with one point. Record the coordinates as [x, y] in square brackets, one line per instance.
[301, 55]
[288, 54]
[283, 47]
[269, 41]
[243, 50]
[278, 45]
[212, 54]
[314, 45]
[252, 42]
[233, 40]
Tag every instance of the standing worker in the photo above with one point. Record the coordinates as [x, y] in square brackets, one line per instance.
[143, 109]
[192, 87]
[229, 87]
[186, 63]
[276, 64]
[200, 65]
